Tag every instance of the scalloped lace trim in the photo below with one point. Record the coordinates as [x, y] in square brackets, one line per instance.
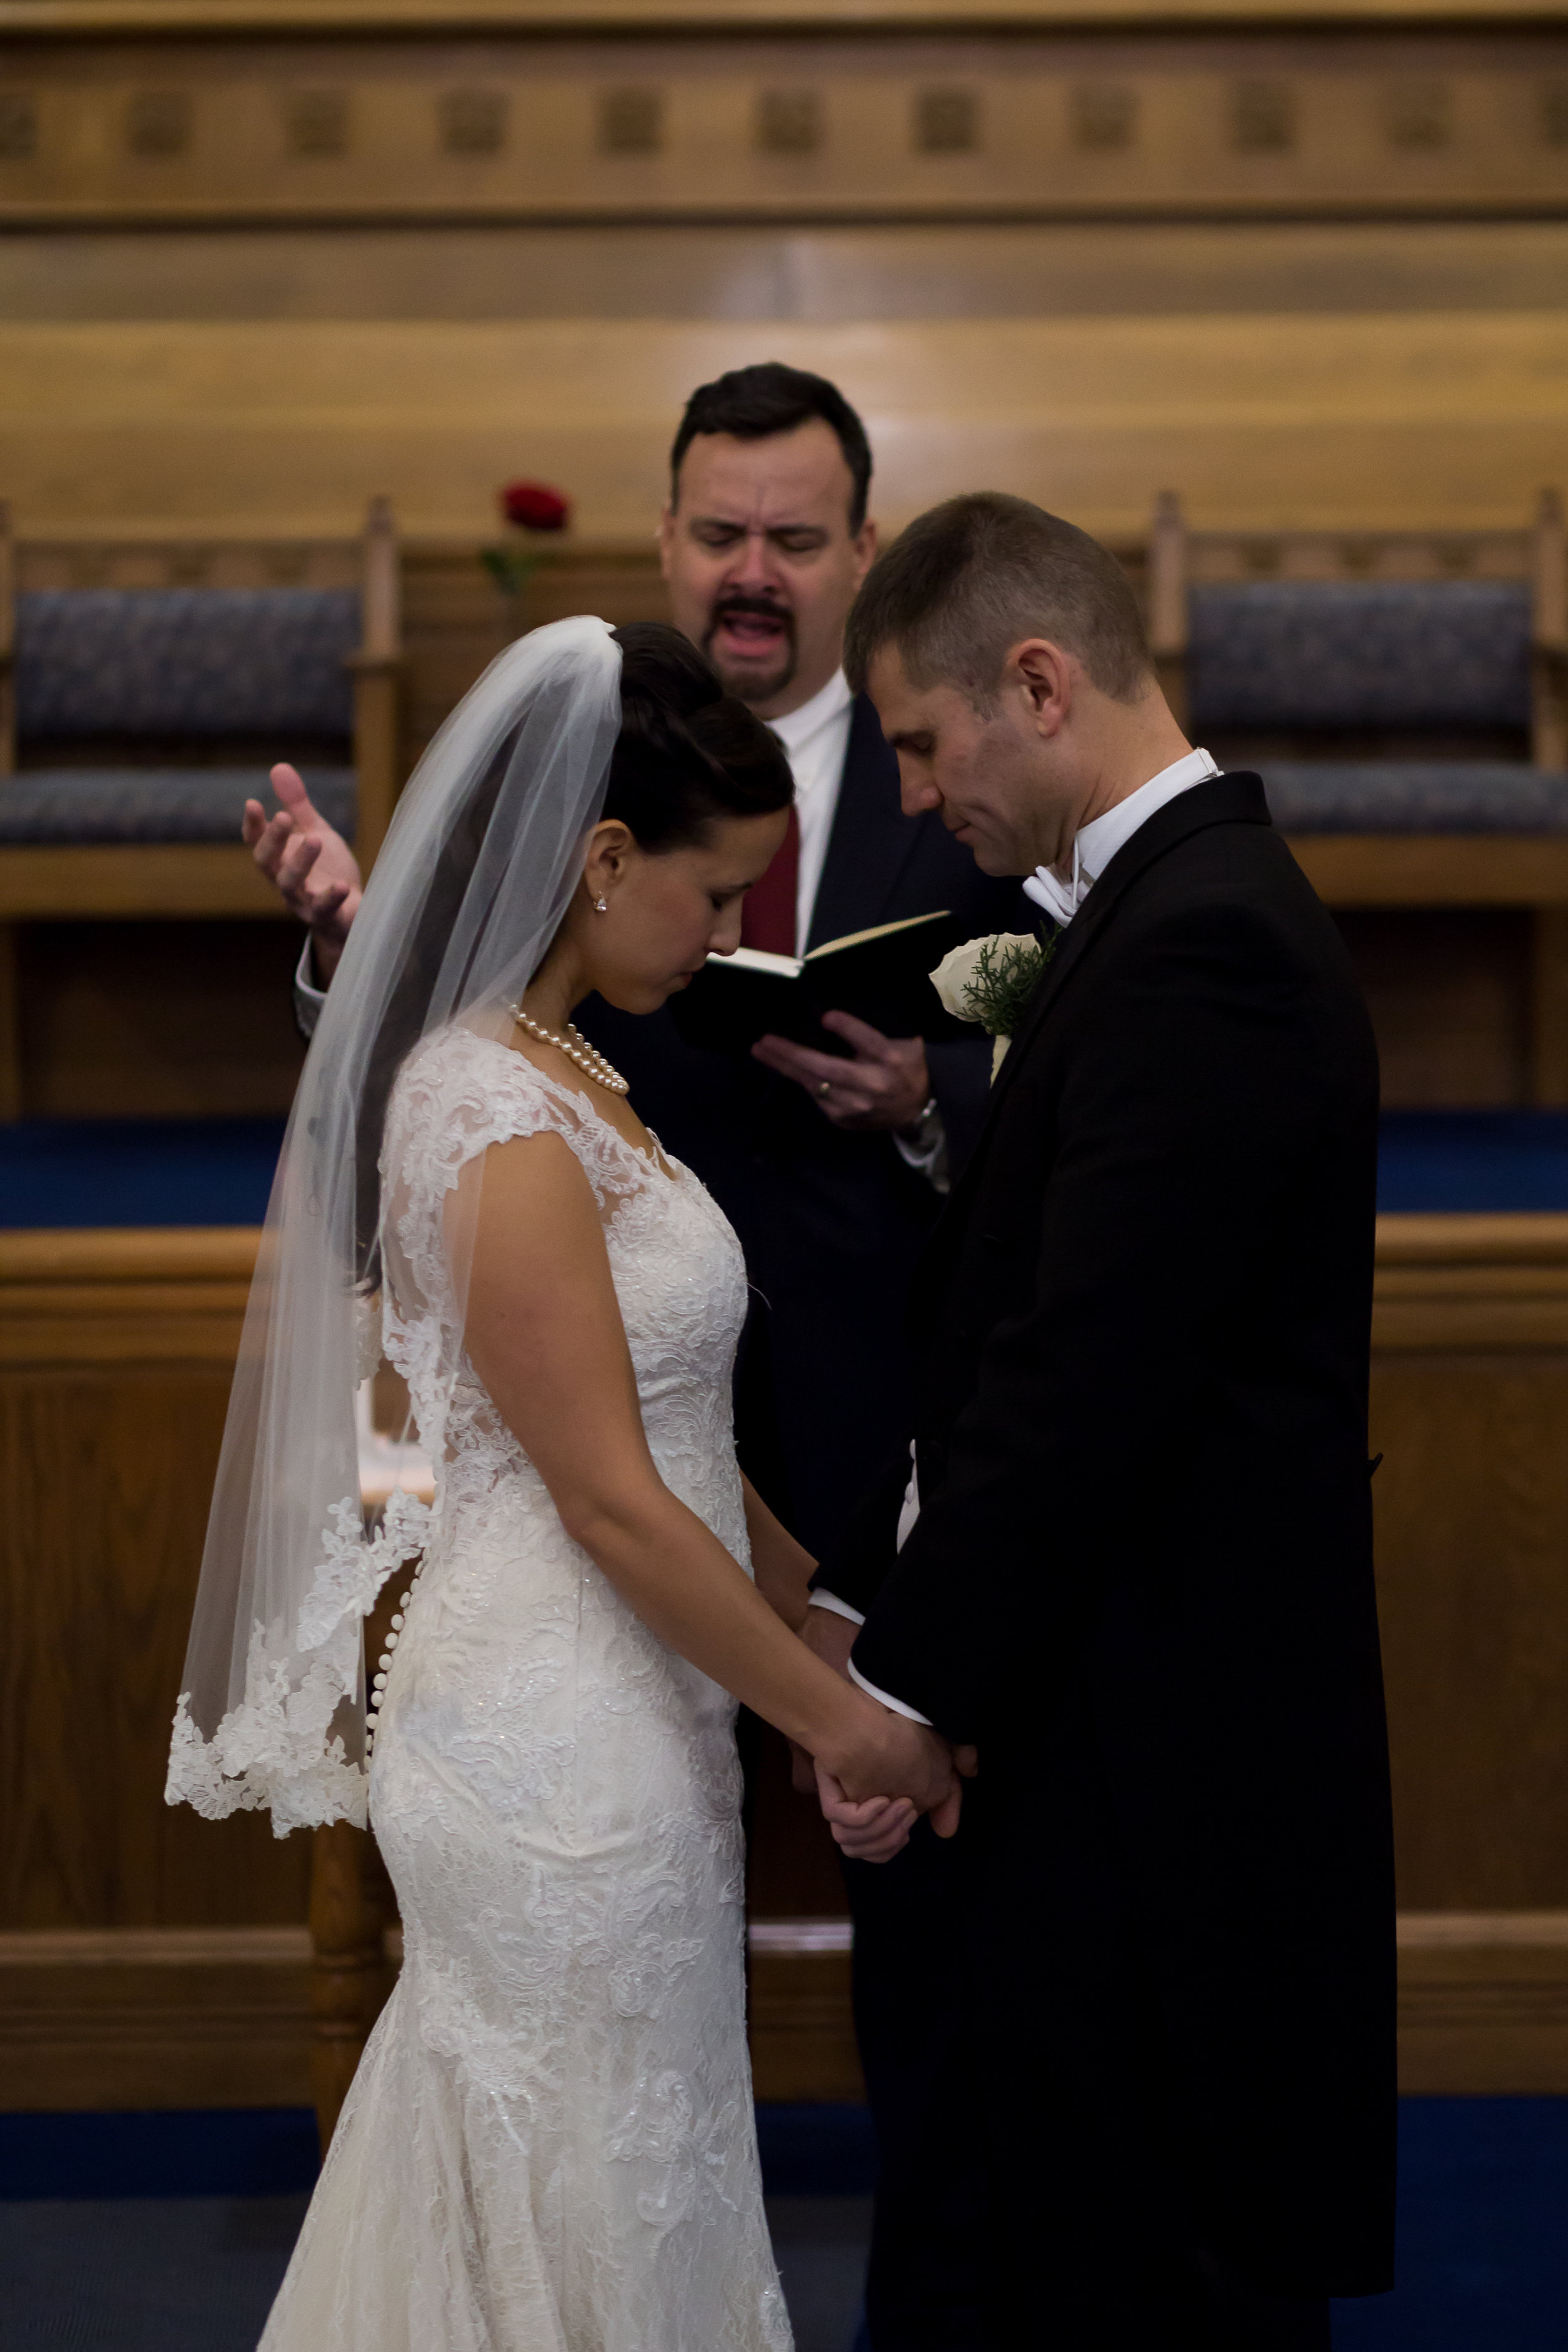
[354, 1571]
[277, 1748]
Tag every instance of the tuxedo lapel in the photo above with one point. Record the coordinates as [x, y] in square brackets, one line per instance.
[1219, 800]
[871, 841]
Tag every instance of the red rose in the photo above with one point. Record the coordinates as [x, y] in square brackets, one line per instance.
[534, 506]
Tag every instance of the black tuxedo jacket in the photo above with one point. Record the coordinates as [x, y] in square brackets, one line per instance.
[1141, 1575]
[832, 1224]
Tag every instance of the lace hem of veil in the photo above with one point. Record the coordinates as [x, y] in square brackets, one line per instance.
[277, 1748]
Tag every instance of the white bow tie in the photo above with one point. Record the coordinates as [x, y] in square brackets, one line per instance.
[1061, 900]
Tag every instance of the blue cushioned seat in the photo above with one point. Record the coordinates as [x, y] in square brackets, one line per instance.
[1325, 655]
[184, 661]
[1414, 796]
[161, 668]
[1447, 661]
[76, 805]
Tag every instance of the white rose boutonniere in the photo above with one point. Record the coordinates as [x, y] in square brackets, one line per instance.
[991, 981]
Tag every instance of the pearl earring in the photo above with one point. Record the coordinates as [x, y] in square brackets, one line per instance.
[601, 905]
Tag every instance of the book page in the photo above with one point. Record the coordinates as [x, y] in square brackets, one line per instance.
[782, 967]
[858, 939]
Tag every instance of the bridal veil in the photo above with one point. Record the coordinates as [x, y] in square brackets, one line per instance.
[470, 885]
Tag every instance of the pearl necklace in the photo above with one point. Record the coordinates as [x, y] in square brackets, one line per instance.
[576, 1048]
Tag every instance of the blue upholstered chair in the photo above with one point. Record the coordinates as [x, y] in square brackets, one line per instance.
[146, 716]
[1373, 703]
[1404, 696]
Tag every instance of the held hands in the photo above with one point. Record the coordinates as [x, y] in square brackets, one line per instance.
[308, 863]
[886, 1752]
[886, 1084]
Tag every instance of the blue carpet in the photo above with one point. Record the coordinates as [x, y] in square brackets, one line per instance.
[218, 1172]
[1483, 2225]
[169, 2152]
[1483, 2232]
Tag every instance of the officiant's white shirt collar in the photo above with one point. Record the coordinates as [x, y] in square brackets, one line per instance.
[1097, 843]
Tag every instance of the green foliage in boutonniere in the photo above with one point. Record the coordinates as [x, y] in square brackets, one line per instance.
[991, 981]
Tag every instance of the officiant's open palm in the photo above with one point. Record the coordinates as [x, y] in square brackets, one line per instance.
[307, 863]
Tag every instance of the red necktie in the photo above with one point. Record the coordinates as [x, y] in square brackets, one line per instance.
[767, 916]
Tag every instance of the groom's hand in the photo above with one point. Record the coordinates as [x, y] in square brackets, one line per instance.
[307, 863]
[888, 1755]
[884, 1084]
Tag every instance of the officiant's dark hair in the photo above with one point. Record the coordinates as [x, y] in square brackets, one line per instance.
[687, 754]
[755, 403]
[968, 580]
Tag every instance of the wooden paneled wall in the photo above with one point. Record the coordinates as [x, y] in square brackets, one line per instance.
[264, 259]
[148, 1958]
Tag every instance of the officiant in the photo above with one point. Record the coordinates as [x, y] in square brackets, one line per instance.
[831, 1169]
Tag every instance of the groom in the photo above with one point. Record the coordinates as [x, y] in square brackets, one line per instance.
[1134, 1565]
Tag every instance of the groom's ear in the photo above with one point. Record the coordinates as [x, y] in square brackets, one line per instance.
[1045, 674]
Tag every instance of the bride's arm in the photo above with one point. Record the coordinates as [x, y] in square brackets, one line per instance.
[544, 1334]
[783, 1568]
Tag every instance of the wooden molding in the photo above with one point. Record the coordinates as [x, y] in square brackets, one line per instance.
[217, 20]
[155, 2017]
[1420, 869]
[1483, 2002]
[213, 2017]
[1446, 1283]
[134, 880]
[813, 113]
[133, 1296]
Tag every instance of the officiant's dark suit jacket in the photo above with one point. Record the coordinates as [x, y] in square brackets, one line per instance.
[832, 1222]
[1141, 1576]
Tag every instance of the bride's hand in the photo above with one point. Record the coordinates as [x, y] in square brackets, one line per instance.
[875, 1830]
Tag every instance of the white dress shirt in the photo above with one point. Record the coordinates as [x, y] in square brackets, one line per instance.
[1093, 849]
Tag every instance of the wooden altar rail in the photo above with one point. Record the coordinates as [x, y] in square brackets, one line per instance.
[150, 1958]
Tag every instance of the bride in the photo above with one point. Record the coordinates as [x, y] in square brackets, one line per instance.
[549, 2146]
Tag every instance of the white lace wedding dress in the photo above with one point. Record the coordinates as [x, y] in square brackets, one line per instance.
[549, 2146]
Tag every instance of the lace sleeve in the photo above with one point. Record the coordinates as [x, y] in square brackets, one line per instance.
[457, 1095]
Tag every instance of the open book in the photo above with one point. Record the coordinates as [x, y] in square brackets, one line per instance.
[882, 976]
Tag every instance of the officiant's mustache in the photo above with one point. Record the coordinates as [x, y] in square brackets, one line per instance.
[738, 606]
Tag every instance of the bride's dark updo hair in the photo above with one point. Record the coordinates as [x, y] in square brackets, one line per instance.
[688, 752]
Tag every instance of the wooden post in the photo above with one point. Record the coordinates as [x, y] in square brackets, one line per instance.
[7, 644]
[377, 667]
[10, 1023]
[347, 1964]
[1549, 1009]
[1549, 636]
[1168, 602]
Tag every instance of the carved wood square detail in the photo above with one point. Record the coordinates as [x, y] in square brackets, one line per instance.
[789, 121]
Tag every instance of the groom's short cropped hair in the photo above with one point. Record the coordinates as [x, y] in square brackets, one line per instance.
[969, 580]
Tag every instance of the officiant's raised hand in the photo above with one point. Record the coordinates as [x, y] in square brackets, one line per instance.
[307, 863]
[883, 1084]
